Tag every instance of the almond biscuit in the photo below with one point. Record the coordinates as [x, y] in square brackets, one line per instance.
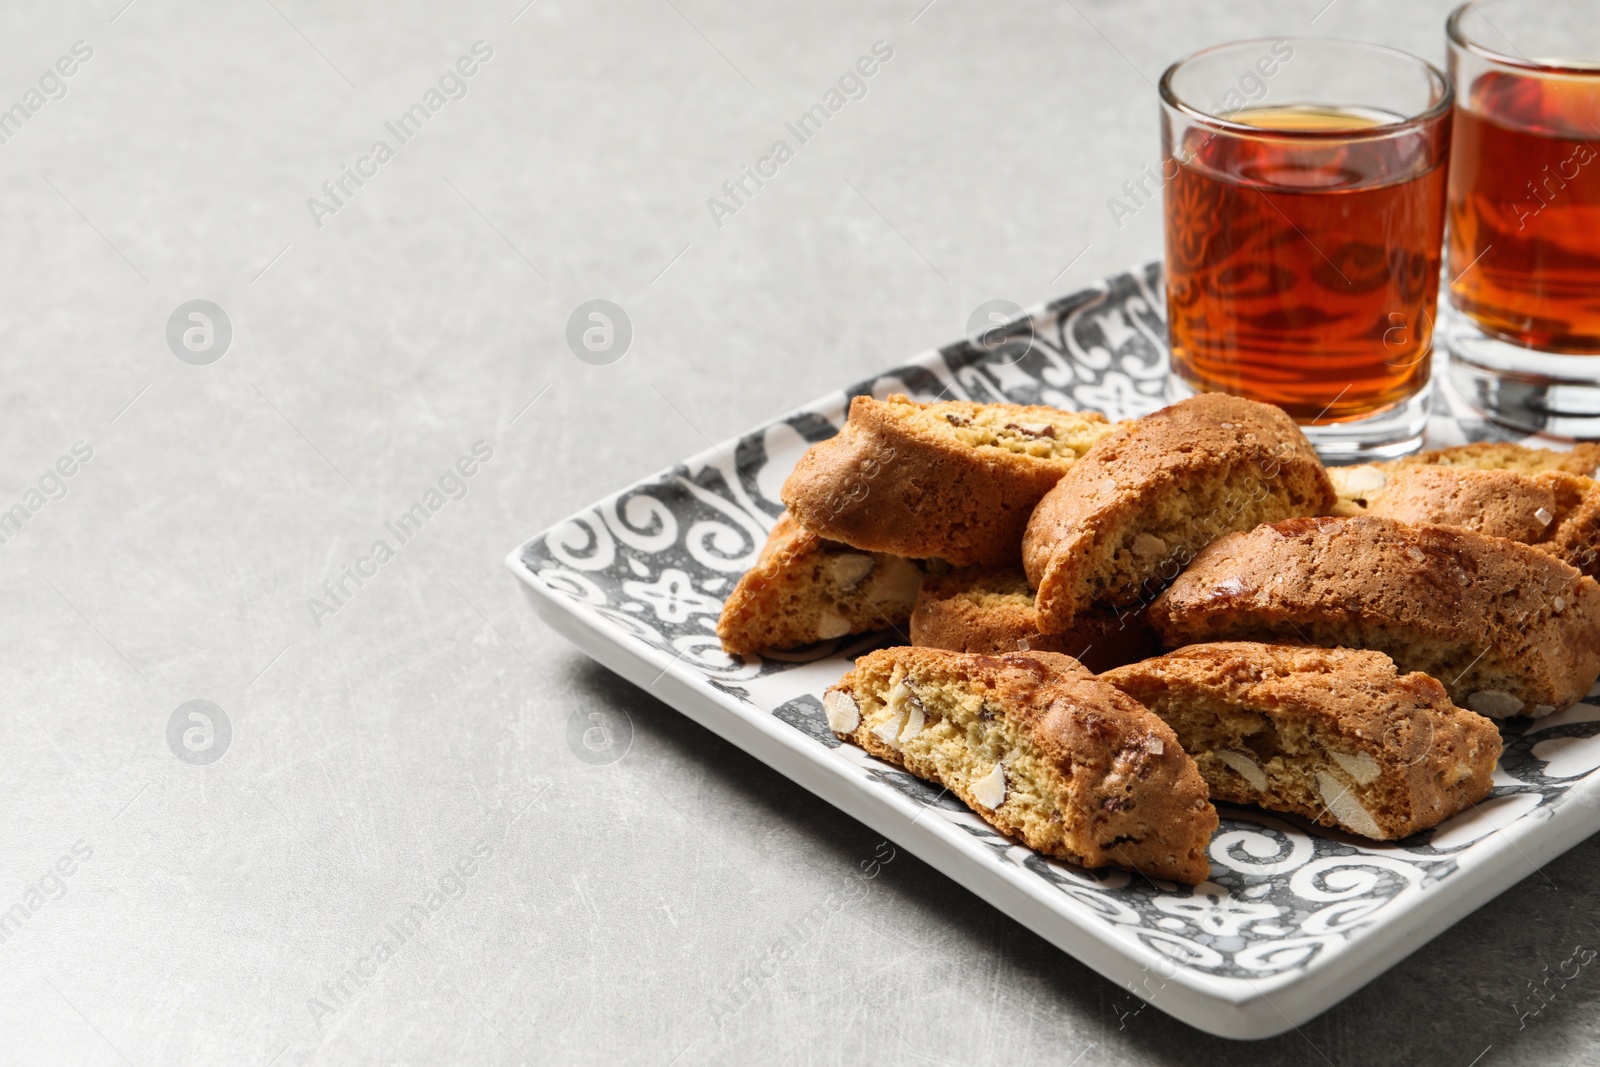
[950, 480]
[804, 589]
[1335, 735]
[1038, 747]
[1554, 511]
[1132, 513]
[1507, 629]
[991, 610]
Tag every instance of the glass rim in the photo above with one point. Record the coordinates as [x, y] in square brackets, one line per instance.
[1435, 112]
[1459, 39]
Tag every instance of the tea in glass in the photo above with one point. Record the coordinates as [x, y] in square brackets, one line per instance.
[1304, 231]
[1524, 211]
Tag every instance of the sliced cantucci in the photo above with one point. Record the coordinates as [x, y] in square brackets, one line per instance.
[1337, 736]
[1041, 749]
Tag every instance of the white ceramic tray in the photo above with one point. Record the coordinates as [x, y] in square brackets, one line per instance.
[1294, 918]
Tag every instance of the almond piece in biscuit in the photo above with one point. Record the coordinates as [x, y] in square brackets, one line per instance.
[1134, 511]
[1508, 629]
[991, 610]
[950, 480]
[1038, 747]
[804, 589]
[1335, 735]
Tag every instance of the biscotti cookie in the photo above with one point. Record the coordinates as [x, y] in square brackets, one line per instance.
[990, 610]
[950, 480]
[1508, 629]
[1360, 485]
[805, 589]
[1040, 748]
[1553, 511]
[1335, 735]
[1132, 513]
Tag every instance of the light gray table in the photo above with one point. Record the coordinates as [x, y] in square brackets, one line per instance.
[665, 907]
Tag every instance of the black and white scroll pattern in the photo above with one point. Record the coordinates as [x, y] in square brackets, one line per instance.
[656, 561]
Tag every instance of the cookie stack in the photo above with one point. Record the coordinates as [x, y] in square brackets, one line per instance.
[1338, 645]
[949, 483]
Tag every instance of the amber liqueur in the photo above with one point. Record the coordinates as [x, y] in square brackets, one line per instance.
[1302, 265]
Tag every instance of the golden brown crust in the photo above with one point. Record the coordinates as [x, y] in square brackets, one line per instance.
[805, 589]
[1506, 628]
[1128, 516]
[1575, 538]
[1554, 511]
[991, 610]
[1360, 485]
[1321, 733]
[1093, 777]
[951, 480]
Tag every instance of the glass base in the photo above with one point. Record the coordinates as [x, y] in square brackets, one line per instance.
[1543, 392]
[1389, 434]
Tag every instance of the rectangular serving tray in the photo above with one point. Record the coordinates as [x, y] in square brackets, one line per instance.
[1295, 917]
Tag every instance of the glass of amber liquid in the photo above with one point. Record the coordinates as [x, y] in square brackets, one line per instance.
[1524, 245]
[1304, 184]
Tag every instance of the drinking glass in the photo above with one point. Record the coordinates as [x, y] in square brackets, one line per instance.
[1304, 183]
[1524, 245]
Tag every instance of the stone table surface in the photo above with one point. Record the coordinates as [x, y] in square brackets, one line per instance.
[190, 883]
